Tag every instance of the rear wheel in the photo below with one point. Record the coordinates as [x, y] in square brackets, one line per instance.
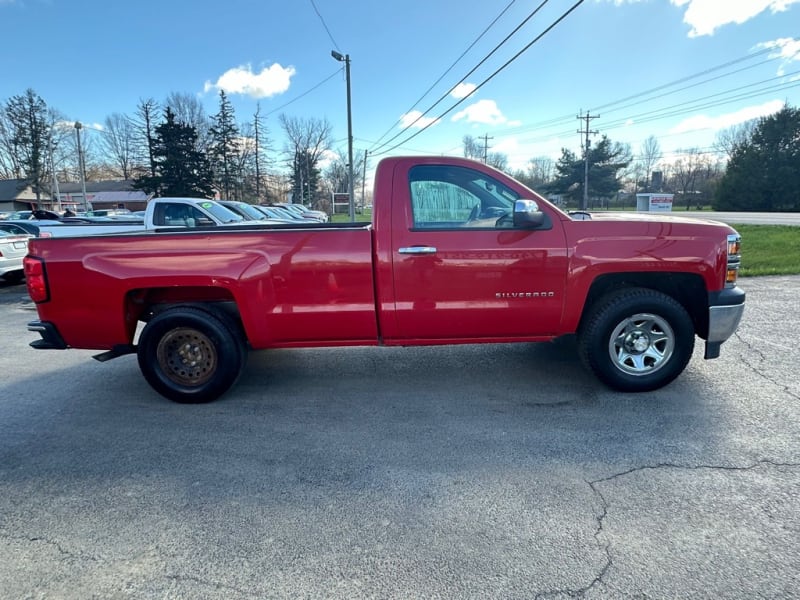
[637, 340]
[14, 276]
[190, 355]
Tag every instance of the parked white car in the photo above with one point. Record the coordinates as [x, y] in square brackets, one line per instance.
[13, 248]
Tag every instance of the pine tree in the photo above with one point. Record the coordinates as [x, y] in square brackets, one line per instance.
[606, 160]
[304, 178]
[224, 147]
[180, 169]
[763, 173]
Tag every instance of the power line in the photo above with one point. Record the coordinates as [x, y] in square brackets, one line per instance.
[688, 78]
[306, 93]
[450, 68]
[475, 68]
[568, 117]
[492, 76]
[325, 25]
[692, 105]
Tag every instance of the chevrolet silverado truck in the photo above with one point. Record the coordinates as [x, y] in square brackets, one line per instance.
[456, 253]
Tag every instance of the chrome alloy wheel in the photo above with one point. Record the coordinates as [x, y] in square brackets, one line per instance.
[187, 356]
[641, 344]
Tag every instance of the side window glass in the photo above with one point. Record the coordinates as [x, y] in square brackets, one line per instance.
[199, 219]
[439, 203]
[447, 197]
[159, 216]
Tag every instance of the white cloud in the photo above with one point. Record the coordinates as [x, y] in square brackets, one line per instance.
[705, 16]
[484, 111]
[786, 48]
[270, 81]
[728, 120]
[416, 120]
[462, 90]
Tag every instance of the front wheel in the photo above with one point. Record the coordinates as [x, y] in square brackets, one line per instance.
[189, 355]
[637, 340]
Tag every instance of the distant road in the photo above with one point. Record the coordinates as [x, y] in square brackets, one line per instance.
[747, 218]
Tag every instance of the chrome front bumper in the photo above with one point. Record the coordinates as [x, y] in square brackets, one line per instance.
[725, 311]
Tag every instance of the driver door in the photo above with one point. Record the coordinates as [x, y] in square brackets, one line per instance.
[461, 271]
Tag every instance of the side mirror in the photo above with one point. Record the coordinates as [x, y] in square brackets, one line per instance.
[527, 214]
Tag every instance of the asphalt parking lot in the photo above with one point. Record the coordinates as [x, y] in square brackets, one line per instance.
[460, 472]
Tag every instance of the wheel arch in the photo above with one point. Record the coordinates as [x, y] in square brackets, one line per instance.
[145, 303]
[688, 289]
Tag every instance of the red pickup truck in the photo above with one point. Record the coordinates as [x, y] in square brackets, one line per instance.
[457, 252]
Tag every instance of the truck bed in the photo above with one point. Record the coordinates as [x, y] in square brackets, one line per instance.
[293, 286]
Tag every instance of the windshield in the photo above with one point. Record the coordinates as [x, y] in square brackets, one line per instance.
[252, 211]
[223, 214]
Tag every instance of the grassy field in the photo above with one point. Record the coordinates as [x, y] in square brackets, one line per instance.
[769, 250]
[766, 249]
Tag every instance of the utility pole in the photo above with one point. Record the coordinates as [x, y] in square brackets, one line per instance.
[364, 182]
[81, 166]
[346, 60]
[587, 117]
[486, 139]
[257, 152]
[55, 193]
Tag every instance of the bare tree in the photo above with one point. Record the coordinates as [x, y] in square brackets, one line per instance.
[145, 123]
[336, 173]
[28, 126]
[309, 135]
[307, 139]
[686, 169]
[472, 148]
[650, 154]
[189, 110]
[728, 140]
[119, 144]
[10, 166]
[541, 171]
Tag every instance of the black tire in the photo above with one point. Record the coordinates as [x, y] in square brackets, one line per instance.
[14, 276]
[636, 340]
[190, 355]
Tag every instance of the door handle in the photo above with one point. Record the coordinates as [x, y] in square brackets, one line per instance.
[418, 250]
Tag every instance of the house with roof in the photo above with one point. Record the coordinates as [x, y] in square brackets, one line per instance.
[16, 194]
[102, 195]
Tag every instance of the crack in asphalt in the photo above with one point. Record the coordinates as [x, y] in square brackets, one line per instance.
[87, 557]
[757, 369]
[53, 543]
[604, 508]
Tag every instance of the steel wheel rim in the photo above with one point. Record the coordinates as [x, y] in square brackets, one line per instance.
[187, 356]
[641, 344]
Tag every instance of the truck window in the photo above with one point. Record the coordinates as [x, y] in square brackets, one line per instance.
[447, 197]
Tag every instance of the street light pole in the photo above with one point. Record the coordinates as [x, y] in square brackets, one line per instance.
[351, 201]
[80, 166]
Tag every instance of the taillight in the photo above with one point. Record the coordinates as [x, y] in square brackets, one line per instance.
[35, 279]
[734, 259]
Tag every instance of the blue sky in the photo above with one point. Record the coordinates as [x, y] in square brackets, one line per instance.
[677, 69]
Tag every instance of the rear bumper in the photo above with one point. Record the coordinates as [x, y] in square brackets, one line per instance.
[51, 338]
[725, 309]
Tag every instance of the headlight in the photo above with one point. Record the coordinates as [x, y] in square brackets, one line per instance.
[734, 259]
